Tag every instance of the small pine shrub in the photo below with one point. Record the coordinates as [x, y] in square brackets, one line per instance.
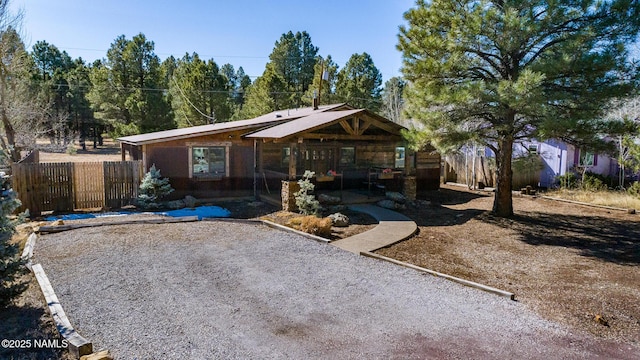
[312, 224]
[305, 201]
[153, 188]
[634, 189]
[11, 265]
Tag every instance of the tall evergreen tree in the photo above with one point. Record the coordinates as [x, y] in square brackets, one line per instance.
[128, 88]
[327, 94]
[496, 72]
[53, 69]
[200, 93]
[287, 76]
[359, 82]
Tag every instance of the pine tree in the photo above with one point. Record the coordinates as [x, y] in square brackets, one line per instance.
[497, 72]
[11, 266]
[153, 188]
[359, 82]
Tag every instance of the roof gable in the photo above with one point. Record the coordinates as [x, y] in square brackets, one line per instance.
[358, 124]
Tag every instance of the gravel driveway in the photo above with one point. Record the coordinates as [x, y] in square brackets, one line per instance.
[229, 290]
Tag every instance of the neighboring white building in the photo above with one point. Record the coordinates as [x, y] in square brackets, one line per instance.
[560, 157]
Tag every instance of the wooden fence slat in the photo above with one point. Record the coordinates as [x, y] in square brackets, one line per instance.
[64, 187]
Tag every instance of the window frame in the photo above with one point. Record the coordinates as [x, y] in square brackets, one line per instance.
[209, 145]
[403, 159]
[353, 158]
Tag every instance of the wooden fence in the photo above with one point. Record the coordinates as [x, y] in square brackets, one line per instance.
[65, 187]
[460, 169]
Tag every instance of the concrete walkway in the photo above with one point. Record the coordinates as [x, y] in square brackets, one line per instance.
[392, 227]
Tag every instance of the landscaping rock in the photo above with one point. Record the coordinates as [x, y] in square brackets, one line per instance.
[175, 204]
[392, 205]
[422, 203]
[337, 208]
[328, 199]
[190, 201]
[396, 196]
[339, 219]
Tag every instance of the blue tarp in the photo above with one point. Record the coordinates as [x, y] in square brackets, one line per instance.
[201, 212]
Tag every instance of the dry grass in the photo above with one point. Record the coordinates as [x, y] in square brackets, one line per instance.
[312, 225]
[608, 198]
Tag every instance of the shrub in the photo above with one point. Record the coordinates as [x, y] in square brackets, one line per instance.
[11, 265]
[71, 149]
[593, 182]
[305, 201]
[567, 181]
[634, 189]
[153, 188]
[312, 224]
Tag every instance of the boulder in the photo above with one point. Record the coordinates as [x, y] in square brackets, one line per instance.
[339, 219]
[396, 196]
[422, 203]
[328, 199]
[392, 205]
[190, 201]
[337, 208]
[175, 204]
[387, 204]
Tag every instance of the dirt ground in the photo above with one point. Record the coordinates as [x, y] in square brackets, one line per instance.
[28, 319]
[574, 264]
[109, 151]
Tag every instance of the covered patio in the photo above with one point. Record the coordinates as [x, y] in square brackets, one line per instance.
[355, 154]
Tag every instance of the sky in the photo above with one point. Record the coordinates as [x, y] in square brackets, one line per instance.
[240, 32]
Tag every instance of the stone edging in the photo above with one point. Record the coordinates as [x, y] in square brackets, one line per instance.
[298, 232]
[78, 345]
[486, 288]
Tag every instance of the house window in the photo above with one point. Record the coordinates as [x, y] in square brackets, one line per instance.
[400, 155]
[533, 148]
[347, 156]
[209, 161]
[587, 159]
[286, 155]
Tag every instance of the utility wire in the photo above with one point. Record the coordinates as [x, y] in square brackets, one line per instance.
[213, 119]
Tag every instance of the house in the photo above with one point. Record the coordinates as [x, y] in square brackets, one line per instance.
[551, 158]
[346, 147]
[559, 158]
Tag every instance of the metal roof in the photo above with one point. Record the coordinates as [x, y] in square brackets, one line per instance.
[305, 124]
[272, 118]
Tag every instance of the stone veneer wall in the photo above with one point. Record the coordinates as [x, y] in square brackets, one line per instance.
[408, 187]
[288, 199]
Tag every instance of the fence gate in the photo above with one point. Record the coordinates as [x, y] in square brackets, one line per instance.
[64, 187]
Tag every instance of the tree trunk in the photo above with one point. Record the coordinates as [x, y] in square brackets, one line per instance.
[502, 203]
[10, 145]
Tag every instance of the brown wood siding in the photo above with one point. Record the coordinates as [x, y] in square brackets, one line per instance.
[173, 162]
[427, 173]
